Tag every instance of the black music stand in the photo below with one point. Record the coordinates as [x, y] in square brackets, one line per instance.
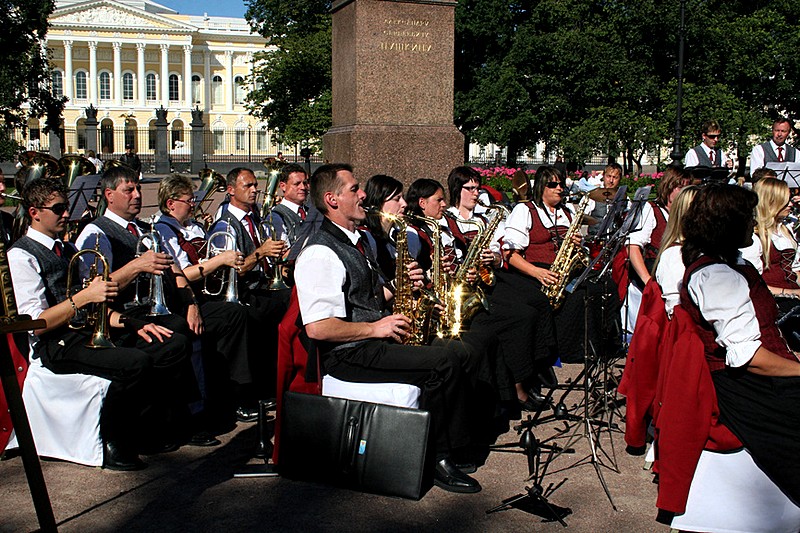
[80, 192]
[710, 174]
[788, 172]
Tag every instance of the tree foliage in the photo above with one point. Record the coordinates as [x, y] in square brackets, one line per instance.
[25, 69]
[293, 74]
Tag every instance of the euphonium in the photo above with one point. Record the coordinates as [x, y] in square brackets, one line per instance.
[268, 231]
[158, 304]
[74, 166]
[421, 310]
[211, 181]
[230, 284]
[98, 318]
[568, 257]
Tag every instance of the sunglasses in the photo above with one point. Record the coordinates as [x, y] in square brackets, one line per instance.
[553, 184]
[712, 136]
[57, 209]
[471, 188]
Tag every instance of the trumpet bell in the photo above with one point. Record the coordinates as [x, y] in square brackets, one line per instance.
[158, 308]
[99, 340]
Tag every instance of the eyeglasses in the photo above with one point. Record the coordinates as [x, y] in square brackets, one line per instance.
[471, 188]
[716, 136]
[192, 202]
[57, 209]
[553, 184]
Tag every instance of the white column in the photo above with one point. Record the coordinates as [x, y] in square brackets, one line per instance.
[165, 75]
[140, 75]
[92, 81]
[229, 77]
[187, 75]
[68, 81]
[117, 73]
[207, 80]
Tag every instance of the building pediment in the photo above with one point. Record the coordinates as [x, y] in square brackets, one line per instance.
[108, 14]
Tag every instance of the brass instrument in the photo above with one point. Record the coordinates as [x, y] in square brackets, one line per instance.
[230, 284]
[268, 232]
[568, 257]
[74, 166]
[36, 165]
[440, 278]
[98, 319]
[11, 196]
[211, 181]
[420, 310]
[158, 305]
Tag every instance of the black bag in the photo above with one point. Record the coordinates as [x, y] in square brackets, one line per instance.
[359, 445]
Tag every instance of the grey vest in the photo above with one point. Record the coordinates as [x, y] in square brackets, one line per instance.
[291, 221]
[244, 243]
[53, 269]
[362, 290]
[789, 153]
[702, 156]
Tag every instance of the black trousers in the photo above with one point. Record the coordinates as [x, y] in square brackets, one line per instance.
[265, 310]
[438, 370]
[226, 338]
[137, 373]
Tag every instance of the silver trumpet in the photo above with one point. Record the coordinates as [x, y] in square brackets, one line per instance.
[230, 283]
[158, 305]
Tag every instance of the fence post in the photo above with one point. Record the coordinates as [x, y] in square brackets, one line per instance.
[91, 129]
[198, 140]
[161, 151]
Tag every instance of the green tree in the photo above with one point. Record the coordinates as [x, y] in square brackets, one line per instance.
[293, 74]
[25, 69]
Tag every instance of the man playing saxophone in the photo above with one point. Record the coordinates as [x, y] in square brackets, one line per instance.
[39, 263]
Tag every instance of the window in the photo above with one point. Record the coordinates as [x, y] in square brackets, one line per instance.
[150, 82]
[174, 88]
[151, 135]
[80, 86]
[58, 84]
[127, 86]
[216, 90]
[105, 86]
[239, 90]
[262, 141]
[177, 134]
[241, 140]
[219, 140]
[196, 89]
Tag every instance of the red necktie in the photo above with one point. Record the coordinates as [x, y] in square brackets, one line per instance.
[252, 229]
[360, 247]
[780, 154]
[711, 157]
[302, 212]
[58, 248]
[132, 229]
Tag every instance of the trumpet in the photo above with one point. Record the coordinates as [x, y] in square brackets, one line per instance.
[99, 318]
[231, 284]
[158, 305]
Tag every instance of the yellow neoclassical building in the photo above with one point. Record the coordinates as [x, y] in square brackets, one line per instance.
[128, 57]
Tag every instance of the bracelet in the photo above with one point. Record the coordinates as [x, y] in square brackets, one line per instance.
[72, 303]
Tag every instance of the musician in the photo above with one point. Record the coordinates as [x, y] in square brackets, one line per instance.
[779, 248]
[707, 154]
[612, 175]
[534, 233]
[775, 150]
[288, 215]
[342, 308]
[756, 378]
[226, 332]
[138, 368]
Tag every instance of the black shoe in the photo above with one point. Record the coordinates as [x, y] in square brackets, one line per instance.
[247, 414]
[203, 439]
[115, 458]
[268, 404]
[531, 404]
[448, 477]
[467, 468]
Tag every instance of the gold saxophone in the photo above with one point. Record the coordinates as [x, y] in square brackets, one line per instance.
[419, 310]
[440, 278]
[465, 299]
[569, 256]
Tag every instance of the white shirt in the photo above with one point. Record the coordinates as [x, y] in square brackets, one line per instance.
[516, 233]
[170, 240]
[691, 159]
[92, 233]
[723, 296]
[669, 275]
[470, 224]
[782, 241]
[319, 277]
[640, 235]
[753, 254]
[757, 155]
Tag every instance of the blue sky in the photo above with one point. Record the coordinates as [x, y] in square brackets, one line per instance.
[221, 8]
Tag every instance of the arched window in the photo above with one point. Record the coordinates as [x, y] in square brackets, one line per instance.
[105, 86]
[58, 84]
[174, 88]
[127, 86]
[239, 90]
[196, 89]
[107, 136]
[217, 95]
[80, 86]
[150, 82]
[177, 133]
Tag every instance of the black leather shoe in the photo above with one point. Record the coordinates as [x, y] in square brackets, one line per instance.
[467, 468]
[115, 458]
[203, 439]
[446, 476]
[247, 414]
[535, 402]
